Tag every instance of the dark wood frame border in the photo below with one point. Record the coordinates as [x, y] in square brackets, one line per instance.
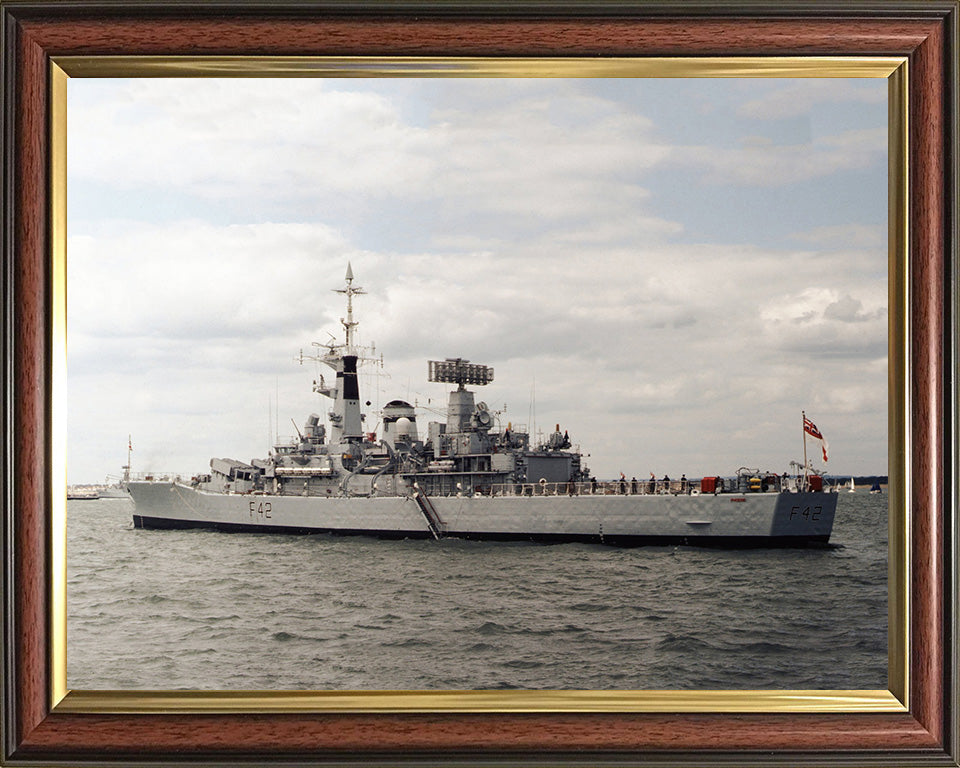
[925, 32]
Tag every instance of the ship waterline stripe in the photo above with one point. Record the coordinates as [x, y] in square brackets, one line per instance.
[617, 540]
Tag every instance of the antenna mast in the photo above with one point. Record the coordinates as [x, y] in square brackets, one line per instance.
[349, 323]
[126, 469]
[346, 418]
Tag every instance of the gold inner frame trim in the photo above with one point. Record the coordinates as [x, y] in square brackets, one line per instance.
[429, 66]
[58, 364]
[898, 386]
[894, 69]
[384, 702]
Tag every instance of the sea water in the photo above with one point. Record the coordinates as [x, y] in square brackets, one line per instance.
[205, 610]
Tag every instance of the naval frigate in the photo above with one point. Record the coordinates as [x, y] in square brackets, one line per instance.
[468, 477]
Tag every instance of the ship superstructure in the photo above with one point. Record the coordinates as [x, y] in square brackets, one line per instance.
[468, 476]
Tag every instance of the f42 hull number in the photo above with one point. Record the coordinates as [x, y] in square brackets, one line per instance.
[260, 509]
[807, 513]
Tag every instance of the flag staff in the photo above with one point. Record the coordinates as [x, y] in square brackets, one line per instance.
[803, 426]
[126, 469]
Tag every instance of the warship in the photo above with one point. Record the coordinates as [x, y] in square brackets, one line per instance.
[469, 477]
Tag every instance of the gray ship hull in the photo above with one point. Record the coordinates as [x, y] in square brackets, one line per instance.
[721, 520]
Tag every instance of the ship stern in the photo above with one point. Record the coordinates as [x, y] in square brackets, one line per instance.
[804, 517]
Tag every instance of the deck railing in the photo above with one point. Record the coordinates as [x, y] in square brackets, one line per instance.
[585, 488]
[591, 488]
[158, 477]
[631, 488]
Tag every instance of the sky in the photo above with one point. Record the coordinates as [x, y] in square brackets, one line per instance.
[671, 270]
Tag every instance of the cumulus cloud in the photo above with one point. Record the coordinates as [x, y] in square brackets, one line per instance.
[822, 322]
[195, 280]
[218, 138]
[313, 145]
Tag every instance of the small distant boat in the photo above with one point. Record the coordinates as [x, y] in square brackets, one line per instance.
[113, 488]
[116, 487]
[83, 492]
[114, 491]
[875, 488]
[851, 487]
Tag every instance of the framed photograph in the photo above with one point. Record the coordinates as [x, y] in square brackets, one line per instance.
[448, 134]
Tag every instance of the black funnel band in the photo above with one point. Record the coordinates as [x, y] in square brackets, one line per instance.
[351, 390]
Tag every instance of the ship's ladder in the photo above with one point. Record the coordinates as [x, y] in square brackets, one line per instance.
[429, 512]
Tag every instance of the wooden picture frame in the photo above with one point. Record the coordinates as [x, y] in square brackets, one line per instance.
[38, 731]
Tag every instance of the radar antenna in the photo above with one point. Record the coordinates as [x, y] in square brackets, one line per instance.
[456, 370]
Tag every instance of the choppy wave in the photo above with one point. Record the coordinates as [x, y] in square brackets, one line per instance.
[196, 609]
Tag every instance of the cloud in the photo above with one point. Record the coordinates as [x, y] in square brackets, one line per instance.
[195, 280]
[800, 97]
[823, 322]
[217, 138]
[846, 309]
[764, 164]
[313, 145]
[845, 236]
